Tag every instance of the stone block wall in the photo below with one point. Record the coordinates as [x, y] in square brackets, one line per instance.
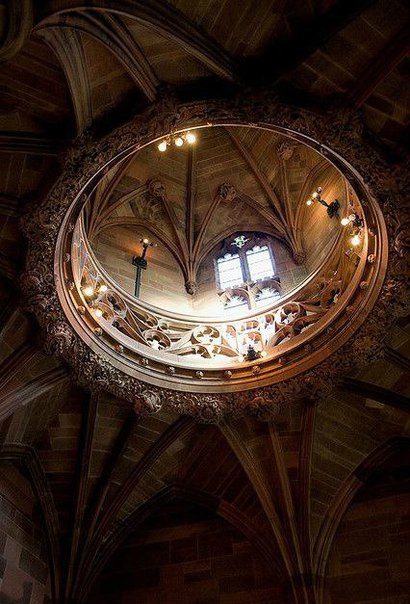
[186, 555]
[162, 284]
[318, 230]
[370, 557]
[24, 572]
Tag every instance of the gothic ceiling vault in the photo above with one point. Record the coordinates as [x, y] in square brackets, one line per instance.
[143, 457]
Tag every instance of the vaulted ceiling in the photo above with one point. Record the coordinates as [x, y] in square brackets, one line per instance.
[287, 493]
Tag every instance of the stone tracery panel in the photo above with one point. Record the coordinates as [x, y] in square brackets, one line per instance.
[186, 338]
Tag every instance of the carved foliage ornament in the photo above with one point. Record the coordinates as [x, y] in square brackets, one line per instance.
[340, 133]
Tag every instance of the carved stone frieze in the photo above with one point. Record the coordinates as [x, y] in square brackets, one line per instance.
[148, 403]
[340, 134]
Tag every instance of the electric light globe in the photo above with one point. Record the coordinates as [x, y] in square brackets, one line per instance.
[179, 141]
[355, 240]
[190, 138]
[344, 221]
[88, 291]
[162, 146]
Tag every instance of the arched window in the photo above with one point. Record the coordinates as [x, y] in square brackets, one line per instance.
[246, 276]
[259, 263]
[229, 271]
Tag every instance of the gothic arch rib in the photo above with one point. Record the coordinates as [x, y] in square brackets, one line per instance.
[23, 394]
[162, 237]
[223, 509]
[257, 480]
[341, 502]
[68, 47]
[108, 516]
[109, 29]
[26, 455]
[160, 17]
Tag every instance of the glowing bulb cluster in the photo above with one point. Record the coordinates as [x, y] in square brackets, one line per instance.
[357, 223]
[178, 141]
[314, 196]
[90, 291]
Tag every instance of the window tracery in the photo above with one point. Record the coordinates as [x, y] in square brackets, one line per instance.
[247, 277]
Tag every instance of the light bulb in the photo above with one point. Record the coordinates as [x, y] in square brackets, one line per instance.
[344, 221]
[145, 241]
[103, 288]
[190, 138]
[88, 291]
[309, 202]
[162, 146]
[98, 312]
[179, 141]
[355, 240]
[315, 194]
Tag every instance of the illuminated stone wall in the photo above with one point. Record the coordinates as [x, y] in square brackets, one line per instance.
[24, 574]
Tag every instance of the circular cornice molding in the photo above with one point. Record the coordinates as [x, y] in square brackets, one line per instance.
[376, 300]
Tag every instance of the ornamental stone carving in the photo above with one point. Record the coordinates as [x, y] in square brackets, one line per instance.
[148, 403]
[227, 192]
[156, 188]
[191, 287]
[96, 362]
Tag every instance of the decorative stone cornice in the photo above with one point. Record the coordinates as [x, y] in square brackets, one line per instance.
[339, 137]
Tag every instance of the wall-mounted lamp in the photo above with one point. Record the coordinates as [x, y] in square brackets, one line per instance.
[141, 263]
[331, 208]
[354, 220]
[357, 223]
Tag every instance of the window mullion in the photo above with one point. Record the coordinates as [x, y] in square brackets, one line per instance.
[244, 266]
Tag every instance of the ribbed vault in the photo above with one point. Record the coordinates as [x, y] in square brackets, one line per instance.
[306, 508]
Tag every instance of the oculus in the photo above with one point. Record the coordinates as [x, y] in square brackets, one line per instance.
[116, 341]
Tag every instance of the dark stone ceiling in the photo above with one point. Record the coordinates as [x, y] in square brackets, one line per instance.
[320, 494]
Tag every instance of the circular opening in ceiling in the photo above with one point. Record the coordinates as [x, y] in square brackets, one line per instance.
[226, 224]
[301, 209]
